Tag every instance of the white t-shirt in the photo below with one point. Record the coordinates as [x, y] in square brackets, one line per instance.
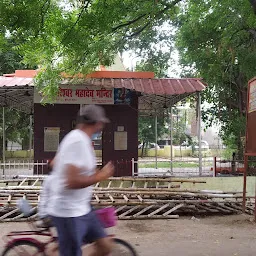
[45, 197]
[76, 149]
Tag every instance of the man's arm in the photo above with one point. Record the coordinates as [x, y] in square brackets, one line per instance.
[52, 162]
[76, 181]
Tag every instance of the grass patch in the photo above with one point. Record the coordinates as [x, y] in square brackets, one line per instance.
[167, 165]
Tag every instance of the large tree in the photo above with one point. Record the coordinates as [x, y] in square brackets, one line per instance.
[75, 36]
[216, 40]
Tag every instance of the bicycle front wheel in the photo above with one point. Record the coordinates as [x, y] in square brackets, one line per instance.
[123, 248]
[23, 248]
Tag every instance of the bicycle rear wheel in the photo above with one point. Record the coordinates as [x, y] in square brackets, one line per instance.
[123, 248]
[23, 248]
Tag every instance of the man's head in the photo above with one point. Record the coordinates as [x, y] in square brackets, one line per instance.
[92, 118]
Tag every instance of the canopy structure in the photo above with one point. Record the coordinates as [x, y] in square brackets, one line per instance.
[155, 94]
[17, 92]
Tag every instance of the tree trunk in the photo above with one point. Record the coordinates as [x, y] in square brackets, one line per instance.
[1, 148]
[241, 82]
[253, 4]
[25, 143]
[143, 149]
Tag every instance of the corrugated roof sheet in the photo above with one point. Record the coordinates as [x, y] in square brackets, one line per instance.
[167, 86]
[155, 92]
[15, 81]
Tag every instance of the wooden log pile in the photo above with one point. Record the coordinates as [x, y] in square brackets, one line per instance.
[133, 198]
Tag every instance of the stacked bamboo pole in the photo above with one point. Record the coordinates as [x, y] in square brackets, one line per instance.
[133, 198]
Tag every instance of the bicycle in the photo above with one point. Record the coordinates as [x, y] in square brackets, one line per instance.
[17, 241]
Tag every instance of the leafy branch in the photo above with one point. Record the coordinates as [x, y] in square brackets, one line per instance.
[128, 23]
[77, 20]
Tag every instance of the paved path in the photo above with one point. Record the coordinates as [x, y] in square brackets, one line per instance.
[225, 236]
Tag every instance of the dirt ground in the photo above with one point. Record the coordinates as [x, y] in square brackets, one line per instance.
[211, 236]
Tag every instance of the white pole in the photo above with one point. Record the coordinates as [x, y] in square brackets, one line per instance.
[199, 132]
[3, 140]
[156, 138]
[132, 167]
[30, 136]
[171, 139]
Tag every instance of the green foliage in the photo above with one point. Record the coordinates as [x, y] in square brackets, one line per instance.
[227, 153]
[157, 62]
[147, 129]
[76, 36]
[216, 41]
[16, 127]
[179, 127]
[9, 59]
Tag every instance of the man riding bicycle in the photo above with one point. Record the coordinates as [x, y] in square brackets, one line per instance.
[71, 187]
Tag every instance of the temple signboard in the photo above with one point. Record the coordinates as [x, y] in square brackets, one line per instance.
[80, 95]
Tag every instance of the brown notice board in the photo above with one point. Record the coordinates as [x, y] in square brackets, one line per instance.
[251, 119]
